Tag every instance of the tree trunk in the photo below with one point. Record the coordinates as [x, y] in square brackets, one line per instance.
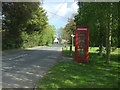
[100, 49]
[108, 40]
[101, 38]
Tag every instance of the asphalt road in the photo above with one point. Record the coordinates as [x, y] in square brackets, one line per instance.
[23, 69]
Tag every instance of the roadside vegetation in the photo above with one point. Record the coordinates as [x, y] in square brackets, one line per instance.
[25, 25]
[102, 70]
[102, 20]
[95, 74]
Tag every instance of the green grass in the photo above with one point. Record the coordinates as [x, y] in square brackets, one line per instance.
[95, 74]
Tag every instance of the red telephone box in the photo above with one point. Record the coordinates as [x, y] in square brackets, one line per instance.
[81, 44]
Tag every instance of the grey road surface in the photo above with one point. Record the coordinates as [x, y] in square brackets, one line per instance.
[23, 69]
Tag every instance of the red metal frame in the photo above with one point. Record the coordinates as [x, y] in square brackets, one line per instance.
[78, 44]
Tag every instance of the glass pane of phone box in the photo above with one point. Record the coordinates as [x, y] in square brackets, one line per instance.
[82, 34]
[81, 53]
[81, 41]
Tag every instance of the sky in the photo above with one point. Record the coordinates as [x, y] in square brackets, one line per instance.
[59, 11]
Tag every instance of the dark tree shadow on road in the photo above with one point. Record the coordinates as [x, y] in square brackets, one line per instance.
[27, 67]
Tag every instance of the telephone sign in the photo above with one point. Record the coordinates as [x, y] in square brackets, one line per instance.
[81, 44]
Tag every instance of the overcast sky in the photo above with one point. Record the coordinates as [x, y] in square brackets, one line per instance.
[59, 11]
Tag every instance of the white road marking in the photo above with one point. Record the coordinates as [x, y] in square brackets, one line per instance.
[18, 56]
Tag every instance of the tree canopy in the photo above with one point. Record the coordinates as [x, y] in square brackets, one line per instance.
[23, 24]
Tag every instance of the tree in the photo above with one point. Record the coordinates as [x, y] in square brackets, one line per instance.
[101, 18]
[47, 35]
[17, 14]
[92, 15]
[69, 29]
[112, 14]
[23, 23]
[15, 19]
[38, 21]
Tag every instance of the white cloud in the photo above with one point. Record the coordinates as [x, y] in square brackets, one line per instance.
[62, 9]
[50, 8]
[59, 12]
[75, 7]
[59, 1]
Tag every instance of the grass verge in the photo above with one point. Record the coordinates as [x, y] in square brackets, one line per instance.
[95, 74]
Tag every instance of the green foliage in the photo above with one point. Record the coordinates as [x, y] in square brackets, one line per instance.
[96, 17]
[47, 35]
[102, 20]
[25, 25]
[38, 21]
[17, 14]
[68, 30]
[30, 40]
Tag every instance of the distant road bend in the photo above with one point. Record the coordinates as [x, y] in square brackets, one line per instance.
[22, 69]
